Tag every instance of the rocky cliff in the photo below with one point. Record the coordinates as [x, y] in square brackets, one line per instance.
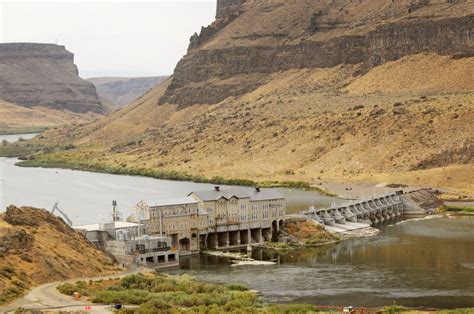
[44, 75]
[231, 58]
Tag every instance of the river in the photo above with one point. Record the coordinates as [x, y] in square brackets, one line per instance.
[87, 197]
[427, 263]
[416, 263]
[11, 138]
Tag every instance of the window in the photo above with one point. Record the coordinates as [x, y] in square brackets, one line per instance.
[209, 210]
[274, 214]
[265, 215]
[254, 206]
[243, 206]
[243, 218]
[254, 216]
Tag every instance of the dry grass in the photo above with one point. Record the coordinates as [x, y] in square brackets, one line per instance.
[301, 126]
[13, 117]
[424, 73]
[43, 249]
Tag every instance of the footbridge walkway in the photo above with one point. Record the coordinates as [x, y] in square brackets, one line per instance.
[369, 211]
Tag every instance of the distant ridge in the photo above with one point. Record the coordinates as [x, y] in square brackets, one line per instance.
[117, 92]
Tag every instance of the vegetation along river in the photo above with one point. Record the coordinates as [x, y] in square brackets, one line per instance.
[426, 263]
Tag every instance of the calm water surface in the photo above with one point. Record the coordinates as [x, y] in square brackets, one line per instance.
[419, 263]
[87, 196]
[15, 137]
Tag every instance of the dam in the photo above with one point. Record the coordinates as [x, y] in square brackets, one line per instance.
[369, 210]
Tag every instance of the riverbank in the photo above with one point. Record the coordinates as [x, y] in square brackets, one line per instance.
[35, 155]
[453, 209]
[161, 292]
[22, 130]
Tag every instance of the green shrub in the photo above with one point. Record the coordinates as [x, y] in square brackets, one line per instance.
[393, 309]
[450, 208]
[131, 296]
[10, 294]
[67, 288]
[237, 287]
[291, 309]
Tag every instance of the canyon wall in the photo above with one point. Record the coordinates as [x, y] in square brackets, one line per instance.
[212, 72]
[44, 75]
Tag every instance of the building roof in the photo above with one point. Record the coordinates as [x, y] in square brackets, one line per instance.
[91, 227]
[239, 192]
[172, 201]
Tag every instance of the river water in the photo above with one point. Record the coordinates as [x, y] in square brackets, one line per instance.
[11, 138]
[426, 263]
[416, 263]
[87, 197]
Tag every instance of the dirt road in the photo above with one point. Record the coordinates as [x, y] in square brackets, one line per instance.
[47, 297]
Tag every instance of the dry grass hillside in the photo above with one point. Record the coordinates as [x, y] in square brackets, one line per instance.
[313, 125]
[37, 247]
[19, 119]
[316, 91]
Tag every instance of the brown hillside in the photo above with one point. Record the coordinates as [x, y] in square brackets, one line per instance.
[37, 247]
[13, 117]
[318, 91]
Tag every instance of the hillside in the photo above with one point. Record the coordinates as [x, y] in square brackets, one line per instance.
[18, 119]
[37, 247]
[43, 78]
[117, 92]
[318, 91]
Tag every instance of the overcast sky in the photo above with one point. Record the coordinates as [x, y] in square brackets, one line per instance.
[110, 38]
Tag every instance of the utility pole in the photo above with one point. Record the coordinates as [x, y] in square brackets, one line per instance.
[2, 181]
[161, 223]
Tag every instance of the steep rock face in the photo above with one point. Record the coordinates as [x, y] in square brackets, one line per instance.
[322, 39]
[228, 8]
[44, 75]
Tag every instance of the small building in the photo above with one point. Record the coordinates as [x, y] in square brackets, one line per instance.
[128, 243]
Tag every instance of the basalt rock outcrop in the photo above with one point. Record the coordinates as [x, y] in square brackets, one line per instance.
[251, 40]
[44, 75]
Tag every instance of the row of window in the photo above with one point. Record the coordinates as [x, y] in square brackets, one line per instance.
[254, 207]
[253, 216]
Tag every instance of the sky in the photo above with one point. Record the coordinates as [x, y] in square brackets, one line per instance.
[110, 37]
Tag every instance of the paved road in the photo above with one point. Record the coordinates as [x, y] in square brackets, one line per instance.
[47, 297]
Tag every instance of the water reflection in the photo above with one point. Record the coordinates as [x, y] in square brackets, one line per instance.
[416, 263]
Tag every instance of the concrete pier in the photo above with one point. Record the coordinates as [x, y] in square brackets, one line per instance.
[369, 210]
